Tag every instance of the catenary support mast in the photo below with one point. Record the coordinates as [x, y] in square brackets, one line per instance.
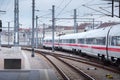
[16, 23]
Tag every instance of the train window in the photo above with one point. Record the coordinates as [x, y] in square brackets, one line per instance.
[50, 40]
[72, 41]
[60, 41]
[67, 40]
[56, 41]
[115, 41]
[100, 41]
[64, 41]
[90, 41]
[43, 40]
[82, 41]
[96, 41]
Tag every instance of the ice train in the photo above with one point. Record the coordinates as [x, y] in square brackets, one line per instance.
[103, 43]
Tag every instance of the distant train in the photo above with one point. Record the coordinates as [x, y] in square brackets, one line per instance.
[103, 43]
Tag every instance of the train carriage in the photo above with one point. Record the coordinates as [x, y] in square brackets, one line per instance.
[103, 43]
[95, 42]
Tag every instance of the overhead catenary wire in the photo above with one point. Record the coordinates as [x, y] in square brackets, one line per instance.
[105, 10]
[69, 11]
[60, 4]
[64, 7]
[98, 4]
[98, 11]
[61, 7]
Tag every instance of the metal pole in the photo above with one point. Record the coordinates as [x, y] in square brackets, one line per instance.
[119, 9]
[16, 23]
[33, 15]
[43, 33]
[0, 32]
[112, 8]
[8, 33]
[14, 20]
[0, 41]
[36, 31]
[93, 23]
[53, 25]
[75, 24]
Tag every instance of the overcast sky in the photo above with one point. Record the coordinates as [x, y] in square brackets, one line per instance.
[63, 8]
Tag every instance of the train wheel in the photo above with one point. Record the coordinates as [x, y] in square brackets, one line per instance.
[79, 51]
[105, 61]
[103, 58]
[99, 57]
[73, 51]
[118, 62]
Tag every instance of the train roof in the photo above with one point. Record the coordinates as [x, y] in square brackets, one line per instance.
[49, 38]
[97, 33]
[102, 32]
[115, 31]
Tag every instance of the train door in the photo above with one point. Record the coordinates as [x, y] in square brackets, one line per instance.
[114, 44]
[114, 47]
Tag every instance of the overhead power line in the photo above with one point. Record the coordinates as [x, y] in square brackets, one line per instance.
[98, 11]
[64, 7]
[60, 4]
[97, 4]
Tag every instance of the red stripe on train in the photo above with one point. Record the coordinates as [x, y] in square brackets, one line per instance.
[94, 47]
[109, 49]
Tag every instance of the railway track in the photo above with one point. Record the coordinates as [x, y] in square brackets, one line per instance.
[93, 63]
[74, 61]
[67, 71]
[86, 61]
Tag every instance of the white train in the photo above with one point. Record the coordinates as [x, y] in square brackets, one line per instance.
[103, 43]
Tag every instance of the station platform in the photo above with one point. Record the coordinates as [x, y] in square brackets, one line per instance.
[42, 74]
[16, 64]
